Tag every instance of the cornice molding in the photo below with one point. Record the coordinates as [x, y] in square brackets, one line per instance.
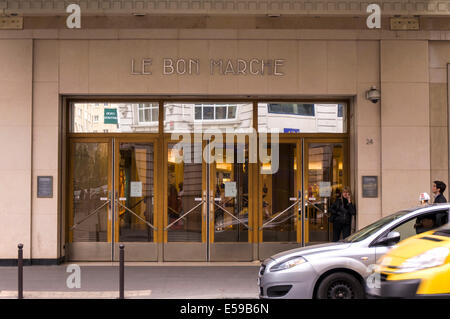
[228, 7]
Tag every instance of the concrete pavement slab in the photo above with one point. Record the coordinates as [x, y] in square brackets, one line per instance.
[164, 281]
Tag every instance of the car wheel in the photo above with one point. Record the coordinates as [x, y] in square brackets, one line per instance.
[340, 285]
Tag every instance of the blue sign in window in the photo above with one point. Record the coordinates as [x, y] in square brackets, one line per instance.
[291, 130]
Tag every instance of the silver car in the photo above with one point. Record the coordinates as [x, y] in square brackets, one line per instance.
[339, 270]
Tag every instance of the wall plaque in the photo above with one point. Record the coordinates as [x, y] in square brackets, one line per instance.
[45, 186]
[370, 186]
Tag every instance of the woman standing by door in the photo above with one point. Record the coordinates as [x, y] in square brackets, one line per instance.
[342, 212]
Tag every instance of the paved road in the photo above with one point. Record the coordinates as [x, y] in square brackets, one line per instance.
[100, 281]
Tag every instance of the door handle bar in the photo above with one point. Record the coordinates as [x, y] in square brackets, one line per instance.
[280, 221]
[182, 216]
[140, 201]
[314, 204]
[284, 211]
[91, 214]
[137, 216]
[226, 201]
[240, 221]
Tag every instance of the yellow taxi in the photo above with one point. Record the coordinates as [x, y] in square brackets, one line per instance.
[418, 267]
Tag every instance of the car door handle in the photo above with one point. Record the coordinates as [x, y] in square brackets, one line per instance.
[364, 258]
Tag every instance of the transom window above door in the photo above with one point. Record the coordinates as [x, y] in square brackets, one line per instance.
[203, 115]
[292, 108]
[215, 111]
[126, 117]
[292, 117]
[189, 116]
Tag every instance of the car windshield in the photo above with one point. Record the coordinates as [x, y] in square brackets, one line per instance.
[373, 228]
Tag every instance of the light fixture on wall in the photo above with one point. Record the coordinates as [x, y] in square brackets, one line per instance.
[373, 95]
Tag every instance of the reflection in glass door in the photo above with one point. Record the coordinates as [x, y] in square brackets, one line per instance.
[136, 192]
[207, 205]
[90, 230]
[135, 200]
[281, 202]
[325, 178]
[231, 228]
[231, 202]
[184, 236]
[112, 186]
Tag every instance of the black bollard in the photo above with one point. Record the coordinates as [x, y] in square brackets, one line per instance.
[122, 272]
[20, 272]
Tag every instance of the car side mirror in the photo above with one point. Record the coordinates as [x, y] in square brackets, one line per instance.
[392, 238]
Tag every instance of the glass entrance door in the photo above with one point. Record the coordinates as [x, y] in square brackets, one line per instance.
[307, 178]
[185, 209]
[91, 202]
[325, 178]
[281, 201]
[112, 186]
[135, 199]
[232, 224]
[207, 213]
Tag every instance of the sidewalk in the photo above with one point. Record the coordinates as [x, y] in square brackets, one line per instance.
[142, 280]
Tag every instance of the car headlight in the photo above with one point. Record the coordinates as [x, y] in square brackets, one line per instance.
[431, 258]
[287, 264]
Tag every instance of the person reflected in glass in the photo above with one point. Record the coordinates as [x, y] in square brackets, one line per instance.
[219, 213]
[180, 199]
[173, 203]
[265, 202]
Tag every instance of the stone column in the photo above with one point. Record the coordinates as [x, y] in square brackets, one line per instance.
[16, 65]
[405, 127]
[45, 223]
[439, 90]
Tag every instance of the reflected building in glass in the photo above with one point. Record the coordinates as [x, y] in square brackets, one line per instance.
[184, 117]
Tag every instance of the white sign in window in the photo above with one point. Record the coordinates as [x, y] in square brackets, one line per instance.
[136, 189]
[324, 189]
[230, 189]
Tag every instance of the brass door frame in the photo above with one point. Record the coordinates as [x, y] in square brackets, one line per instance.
[113, 179]
[282, 140]
[177, 251]
[346, 162]
[233, 251]
[251, 186]
[208, 205]
[137, 140]
[266, 249]
[91, 248]
[138, 251]
[165, 191]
